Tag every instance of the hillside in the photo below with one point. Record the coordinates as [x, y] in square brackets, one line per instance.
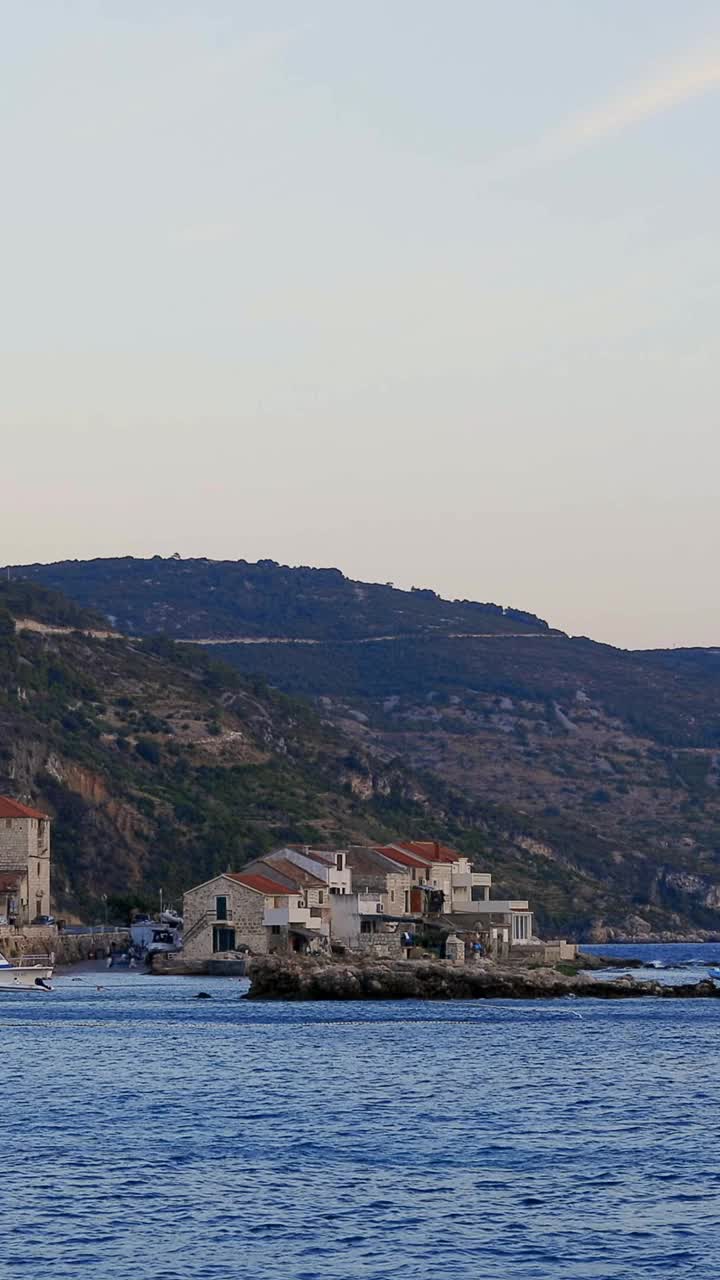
[586, 776]
[229, 598]
[161, 767]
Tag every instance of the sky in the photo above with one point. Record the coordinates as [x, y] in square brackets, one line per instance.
[425, 291]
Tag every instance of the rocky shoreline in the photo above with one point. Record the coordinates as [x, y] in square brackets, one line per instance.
[296, 978]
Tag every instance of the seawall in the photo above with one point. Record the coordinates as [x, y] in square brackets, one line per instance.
[68, 948]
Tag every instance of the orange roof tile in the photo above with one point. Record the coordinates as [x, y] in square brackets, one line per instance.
[298, 875]
[401, 856]
[262, 884]
[13, 809]
[431, 849]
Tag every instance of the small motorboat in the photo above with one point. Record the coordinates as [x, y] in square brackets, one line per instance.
[714, 973]
[31, 974]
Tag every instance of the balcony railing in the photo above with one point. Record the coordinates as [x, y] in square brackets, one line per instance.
[493, 906]
[287, 916]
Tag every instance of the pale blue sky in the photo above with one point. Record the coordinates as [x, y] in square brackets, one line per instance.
[427, 291]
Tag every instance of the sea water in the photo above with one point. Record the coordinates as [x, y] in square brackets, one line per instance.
[148, 1133]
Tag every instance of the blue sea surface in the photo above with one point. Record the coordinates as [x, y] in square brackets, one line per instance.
[147, 1133]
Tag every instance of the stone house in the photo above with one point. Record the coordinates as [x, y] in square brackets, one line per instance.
[226, 913]
[437, 867]
[329, 865]
[24, 863]
[357, 922]
[254, 910]
[314, 893]
[363, 897]
[374, 872]
[427, 878]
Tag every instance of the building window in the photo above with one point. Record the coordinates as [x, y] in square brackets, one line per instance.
[392, 895]
[221, 911]
[320, 897]
[366, 926]
[223, 939]
[275, 928]
[8, 822]
[339, 862]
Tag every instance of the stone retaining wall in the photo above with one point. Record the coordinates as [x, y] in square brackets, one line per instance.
[68, 948]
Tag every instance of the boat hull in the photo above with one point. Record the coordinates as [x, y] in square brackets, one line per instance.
[31, 977]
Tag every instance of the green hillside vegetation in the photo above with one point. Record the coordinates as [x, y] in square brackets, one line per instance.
[26, 599]
[201, 598]
[583, 776]
[673, 704]
[162, 767]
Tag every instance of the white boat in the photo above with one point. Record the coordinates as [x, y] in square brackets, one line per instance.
[25, 976]
[152, 936]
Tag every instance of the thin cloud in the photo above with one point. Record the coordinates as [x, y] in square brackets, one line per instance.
[650, 100]
[673, 87]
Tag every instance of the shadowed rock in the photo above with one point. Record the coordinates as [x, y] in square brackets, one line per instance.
[296, 978]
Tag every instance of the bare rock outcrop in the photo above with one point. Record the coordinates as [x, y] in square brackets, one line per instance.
[299, 978]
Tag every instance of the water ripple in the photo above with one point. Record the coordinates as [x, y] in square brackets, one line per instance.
[148, 1134]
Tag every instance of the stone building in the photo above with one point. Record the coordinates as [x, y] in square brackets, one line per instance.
[441, 873]
[375, 873]
[367, 898]
[314, 896]
[245, 910]
[357, 922]
[24, 863]
[329, 865]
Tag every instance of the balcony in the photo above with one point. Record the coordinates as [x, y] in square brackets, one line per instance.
[472, 880]
[288, 916]
[493, 906]
[370, 904]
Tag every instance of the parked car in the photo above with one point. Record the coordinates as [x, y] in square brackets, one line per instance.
[44, 920]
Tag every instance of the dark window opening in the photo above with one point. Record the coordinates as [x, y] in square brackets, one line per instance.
[223, 939]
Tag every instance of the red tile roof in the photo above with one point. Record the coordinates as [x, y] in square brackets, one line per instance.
[13, 809]
[262, 884]
[431, 849]
[402, 856]
[284, 867]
